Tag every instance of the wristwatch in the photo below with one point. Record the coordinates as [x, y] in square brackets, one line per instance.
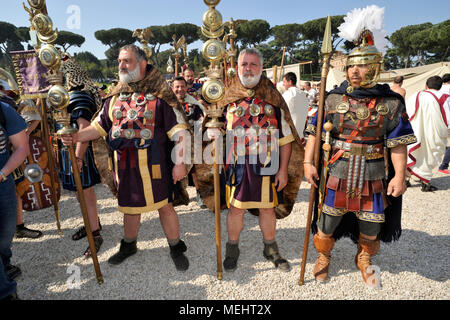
[4, 177]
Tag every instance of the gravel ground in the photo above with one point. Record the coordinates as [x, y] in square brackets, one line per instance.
[416, 267]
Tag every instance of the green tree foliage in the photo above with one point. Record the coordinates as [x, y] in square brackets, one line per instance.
[313, 30]
[196, 61]
[286, 35]
[114, 39]
[270, 55]
[9, 41]
[253, 32]
[163, 35]
[431, 44]
[67, 39]
[401, 40]
[23, 33]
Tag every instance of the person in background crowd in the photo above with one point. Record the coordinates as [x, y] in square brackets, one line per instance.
[427, 116]
[12, 130]
[445, 89]
[397, 86]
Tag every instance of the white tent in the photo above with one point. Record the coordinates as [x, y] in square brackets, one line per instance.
[415, 78]
[335, 77]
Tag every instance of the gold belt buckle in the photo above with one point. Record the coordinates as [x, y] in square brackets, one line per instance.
[356, 150]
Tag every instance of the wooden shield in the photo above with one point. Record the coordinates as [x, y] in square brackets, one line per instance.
[38, 195]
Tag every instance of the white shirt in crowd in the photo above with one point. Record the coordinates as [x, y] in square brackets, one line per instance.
[297, 102]
[311, 94]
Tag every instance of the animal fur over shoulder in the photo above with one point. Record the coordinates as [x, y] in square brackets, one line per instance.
[267, 92]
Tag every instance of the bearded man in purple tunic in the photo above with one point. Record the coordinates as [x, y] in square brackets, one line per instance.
[263, 158]
[139, 119]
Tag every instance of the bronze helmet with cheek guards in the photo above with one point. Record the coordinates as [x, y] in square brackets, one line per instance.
[366, 54]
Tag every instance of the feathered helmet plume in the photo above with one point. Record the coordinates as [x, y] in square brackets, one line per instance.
[365, 28]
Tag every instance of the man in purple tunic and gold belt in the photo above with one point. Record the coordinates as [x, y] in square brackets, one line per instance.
[139, 119]
[263, 157]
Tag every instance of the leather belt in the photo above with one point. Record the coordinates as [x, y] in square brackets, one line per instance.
[370, 152]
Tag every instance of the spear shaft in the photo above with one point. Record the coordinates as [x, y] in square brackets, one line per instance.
[326, 51]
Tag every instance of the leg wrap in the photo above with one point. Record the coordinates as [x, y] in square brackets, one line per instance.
[323, 247]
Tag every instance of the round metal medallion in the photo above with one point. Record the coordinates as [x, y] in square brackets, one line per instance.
[129, 133]
[213, 50]
[268, 110]
[342, 107]
[118, 114]
[350, 89]
[146, 134]
[382, 109]
[58, 97]
[132, 114]
[116, 133]
[239, 112]
[141, 102]
[148, 114]
[255, 110]
[362, 113]
[213, 91]
[134, 96]
[124, 96]
[49, 56]
[33, 173]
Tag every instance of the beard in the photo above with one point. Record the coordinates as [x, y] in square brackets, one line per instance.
[249, 80]
[127, 76]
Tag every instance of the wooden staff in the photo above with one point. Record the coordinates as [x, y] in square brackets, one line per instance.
[83, 207]
[282, 64]
[326, 51]
[51, 163]
[217, 213]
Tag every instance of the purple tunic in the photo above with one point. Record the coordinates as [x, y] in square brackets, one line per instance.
[141, 167]
[248, 185]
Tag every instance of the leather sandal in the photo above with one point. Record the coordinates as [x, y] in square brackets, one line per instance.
[98, 240]
[81, 232]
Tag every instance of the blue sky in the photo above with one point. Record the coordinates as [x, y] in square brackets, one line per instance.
[133, 14]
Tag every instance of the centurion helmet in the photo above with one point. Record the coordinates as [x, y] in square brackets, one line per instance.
[364, 27]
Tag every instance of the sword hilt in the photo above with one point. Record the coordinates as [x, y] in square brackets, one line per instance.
[328, 126]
